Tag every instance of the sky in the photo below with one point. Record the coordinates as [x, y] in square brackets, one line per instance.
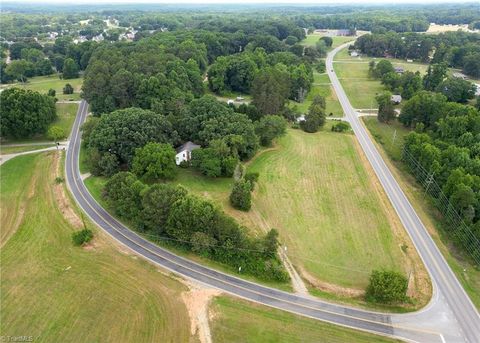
[291, 2]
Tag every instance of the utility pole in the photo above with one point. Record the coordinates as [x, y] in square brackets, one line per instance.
[429, 182]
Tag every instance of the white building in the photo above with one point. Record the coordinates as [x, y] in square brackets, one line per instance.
[354, 54]
[396, 98]
[184, 152]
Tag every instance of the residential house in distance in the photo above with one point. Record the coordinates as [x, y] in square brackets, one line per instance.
[354, 54]
[460, 75]
[184, 152]
[399, 70]
[396, 99]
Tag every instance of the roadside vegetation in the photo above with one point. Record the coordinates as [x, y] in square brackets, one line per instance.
[55, 291]
[236, 320]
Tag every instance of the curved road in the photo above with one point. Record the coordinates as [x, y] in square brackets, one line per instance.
[436, 323]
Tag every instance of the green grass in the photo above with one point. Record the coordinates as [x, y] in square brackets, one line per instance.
[467, 274]
[315, 190]
[5, 149]
[43, 83]
[240, 321]
[321, 86]
[313, 38]
[57, 292]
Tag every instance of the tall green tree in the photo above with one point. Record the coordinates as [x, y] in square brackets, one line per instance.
[386, 110]
[155, 161]
[70, 69]
[270, 127]
[25, 113]
[270, 90]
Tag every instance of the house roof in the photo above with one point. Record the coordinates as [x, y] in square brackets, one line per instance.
[398, 69]
[396, 98]
[188, 146]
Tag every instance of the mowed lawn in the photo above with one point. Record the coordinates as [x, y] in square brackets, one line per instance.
[315, 190]
[361, 89]
[313, 38]
[321, 86]
[56, 292]
[236, 320]
[43, 83]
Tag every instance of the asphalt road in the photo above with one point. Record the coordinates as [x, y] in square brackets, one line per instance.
[444, 281]
[422, 326]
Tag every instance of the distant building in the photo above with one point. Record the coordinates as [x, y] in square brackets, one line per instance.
[184, 152]
[477, 92]
[396, 98]
[239, 98]
[230, 102]
[409, 61]
[300, 118]
[399, 70]
[98, 38]
[354, 54]
[460, 75]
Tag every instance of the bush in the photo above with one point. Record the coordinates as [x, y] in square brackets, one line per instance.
[82, 237]
[59, 180]
[341, 127]
[68, 89]
[387, 287]
[252, 178]
[241, 198]
[51, 92]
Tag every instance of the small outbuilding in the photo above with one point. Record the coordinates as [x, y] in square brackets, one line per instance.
[396, 99]
[399, 70]
[459, 75]
[354, 54]
[184, 152]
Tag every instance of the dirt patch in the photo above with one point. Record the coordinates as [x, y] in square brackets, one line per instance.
[62, 199]
[197, 300]
[330, 287]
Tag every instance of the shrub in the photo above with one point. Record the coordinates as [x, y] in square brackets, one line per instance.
[387, 287]
[341, 127]
[68, 89]
[51, 92]
[82, 237]
[59, 180]
[252, 178]
[241, 198]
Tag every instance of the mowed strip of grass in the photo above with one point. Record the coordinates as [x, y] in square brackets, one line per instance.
[236, 320]
[5, 149]
[315, 190]
[467, 274]
[56, 292]
[313, 38]
[42, 84]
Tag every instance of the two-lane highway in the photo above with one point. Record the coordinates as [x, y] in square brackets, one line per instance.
[443, 279]
[411, 327]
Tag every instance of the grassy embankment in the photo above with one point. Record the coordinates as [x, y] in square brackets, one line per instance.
[56, 292]
[467, 274]
[329, 208]
[238, 321]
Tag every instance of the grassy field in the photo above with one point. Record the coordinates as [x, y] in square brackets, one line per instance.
[468, 275]
[313, 38]
[240, 321]
[321, 86]
[330, 212]
[43, 83]
[66, 113]
[56, 292]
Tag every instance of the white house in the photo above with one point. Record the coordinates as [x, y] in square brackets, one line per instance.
[354, 54]
[300, 118]
[184, 152]
[399, 70]
[396, 98]
[460, 75]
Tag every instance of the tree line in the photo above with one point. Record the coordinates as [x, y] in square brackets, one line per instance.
[172, 216]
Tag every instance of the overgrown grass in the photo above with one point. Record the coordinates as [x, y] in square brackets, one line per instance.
[241, 321]
[57, 292]
[467, 273]
[5, 149]
[43, 83]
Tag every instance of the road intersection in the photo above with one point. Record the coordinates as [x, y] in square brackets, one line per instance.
[450, 316]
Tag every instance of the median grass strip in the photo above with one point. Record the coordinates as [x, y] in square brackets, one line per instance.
[56, 292]
[235, 320]
[467, 273]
